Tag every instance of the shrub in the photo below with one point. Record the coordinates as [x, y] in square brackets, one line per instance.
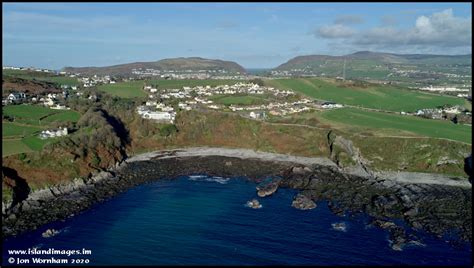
[168, 130]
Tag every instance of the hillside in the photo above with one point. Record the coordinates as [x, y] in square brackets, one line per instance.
[174, 64]
[30, 87]
[378, 57]
[408, 69]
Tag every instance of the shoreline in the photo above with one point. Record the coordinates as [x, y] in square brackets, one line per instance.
[414, 197]
[400, 177]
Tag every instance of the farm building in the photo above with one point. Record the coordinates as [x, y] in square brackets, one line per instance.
[45, 134]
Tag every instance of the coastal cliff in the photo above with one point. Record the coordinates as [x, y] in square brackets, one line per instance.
[436, 204]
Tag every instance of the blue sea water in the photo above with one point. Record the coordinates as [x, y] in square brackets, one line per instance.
[202, 220]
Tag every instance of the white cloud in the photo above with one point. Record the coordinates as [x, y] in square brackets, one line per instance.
[439, 30]
[335, 31]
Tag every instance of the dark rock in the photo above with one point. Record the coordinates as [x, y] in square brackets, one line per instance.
[303, 202]
[411, 212]
[268, 187]
[435, 209]
[397, 238]
[383, 224]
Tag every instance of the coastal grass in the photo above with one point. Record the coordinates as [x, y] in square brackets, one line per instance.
[12, 147]
[380, 120]
[413, 155]
[379, 97]
[384, 152]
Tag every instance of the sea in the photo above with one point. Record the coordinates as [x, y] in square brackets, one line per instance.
[205, 220]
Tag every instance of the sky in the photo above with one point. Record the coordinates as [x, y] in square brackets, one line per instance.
[255, 35]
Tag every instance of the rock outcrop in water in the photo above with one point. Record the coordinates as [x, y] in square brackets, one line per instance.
[424, 204]
[268, 187]
[49, 233]
[254, 204]
[303, 202]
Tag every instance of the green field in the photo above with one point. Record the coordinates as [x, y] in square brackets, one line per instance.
[63, 116]
[419, 126]
[375, 96]
[39, 115]
[28, 111]
[28, 121]
[41, 76]
[10, 147]
[165, 84]
[12, 129]
[134, 89]
[238, 100]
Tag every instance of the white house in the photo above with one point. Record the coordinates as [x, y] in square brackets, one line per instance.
[161, 116]
[15, 97]
[257, 115]
[150, 103]
[45, 134]
[48, 102]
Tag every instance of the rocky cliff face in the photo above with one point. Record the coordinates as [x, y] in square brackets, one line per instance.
[435, 208]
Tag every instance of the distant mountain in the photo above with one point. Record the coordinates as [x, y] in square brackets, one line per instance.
[367, 57]
[174, 64]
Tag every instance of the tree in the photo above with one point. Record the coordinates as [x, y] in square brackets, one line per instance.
[257, 81]
[168, 130]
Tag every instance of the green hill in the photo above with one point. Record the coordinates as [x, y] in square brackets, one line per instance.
[175, 64]
[409, 68]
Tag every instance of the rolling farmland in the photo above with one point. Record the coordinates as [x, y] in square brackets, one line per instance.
[21, 134]
[374, 96]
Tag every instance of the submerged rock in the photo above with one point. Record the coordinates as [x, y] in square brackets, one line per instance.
[340, 226]
[303, 202]
[268, 187]
[49, 233]
[335, 209]
[254, 204]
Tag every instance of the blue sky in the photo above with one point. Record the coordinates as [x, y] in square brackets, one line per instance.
[255, 35]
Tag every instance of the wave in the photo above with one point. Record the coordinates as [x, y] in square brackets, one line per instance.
[339, 226]
[250, 204]
[220, 180]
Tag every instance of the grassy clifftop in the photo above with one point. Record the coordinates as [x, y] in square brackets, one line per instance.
[101, 145]
[227, 130]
